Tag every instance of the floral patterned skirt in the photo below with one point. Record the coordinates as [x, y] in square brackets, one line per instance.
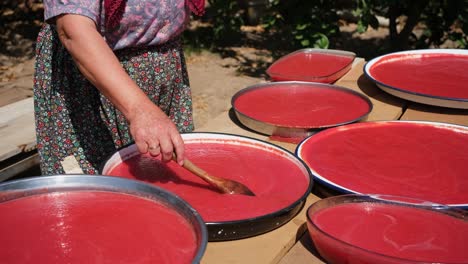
[73, 120]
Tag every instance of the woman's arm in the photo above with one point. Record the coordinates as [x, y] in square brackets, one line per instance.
[149, 125]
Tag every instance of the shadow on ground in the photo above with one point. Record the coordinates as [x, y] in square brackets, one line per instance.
[20, 26]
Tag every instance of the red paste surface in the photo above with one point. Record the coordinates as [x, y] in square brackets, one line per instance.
[93, 227]
[441, 75]
[305, 106]
[397, 231]
[310, 66]
[275, 180]
[406, 159]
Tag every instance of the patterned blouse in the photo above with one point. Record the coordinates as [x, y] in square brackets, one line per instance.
[144, 22]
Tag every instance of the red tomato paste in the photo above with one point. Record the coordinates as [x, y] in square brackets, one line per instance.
[309, 66]
[305, 106]
[405, 159]
[440, 75]
[397, 231]
[93, 227]
[275, 180]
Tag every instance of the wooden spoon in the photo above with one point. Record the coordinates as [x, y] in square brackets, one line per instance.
[221, 184]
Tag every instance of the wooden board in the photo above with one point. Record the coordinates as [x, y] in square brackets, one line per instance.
[226, 122]
[422, 112]
[267, 248]
[385, 106]
[20, 167]
[17, 129]
[303, 252]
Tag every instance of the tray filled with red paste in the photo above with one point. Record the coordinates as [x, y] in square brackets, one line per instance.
[419, 159]
[89, 219]
[387, 229]
[298, 109]
[279, 180]
[312, 65]
[434, 77]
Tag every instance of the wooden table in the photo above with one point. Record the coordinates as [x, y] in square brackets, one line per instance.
[18, 139]
[291, 243]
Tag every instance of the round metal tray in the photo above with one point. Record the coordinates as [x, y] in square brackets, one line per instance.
[69, 183]
[429, 97]
[223, 230]
[419, 159]
[293, 131]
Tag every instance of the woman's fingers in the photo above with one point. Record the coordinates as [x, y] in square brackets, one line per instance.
[141, 145]
[164, 143]
[179, 148]
[156, 134]
[154, 149]
[166, 149]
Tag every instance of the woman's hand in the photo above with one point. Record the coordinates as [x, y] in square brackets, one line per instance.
[149, 126]
[155, 133]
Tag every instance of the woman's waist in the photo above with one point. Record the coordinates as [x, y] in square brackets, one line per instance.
[168, 46]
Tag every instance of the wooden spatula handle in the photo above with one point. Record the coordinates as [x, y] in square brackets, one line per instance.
[198, 171]
[221, 184]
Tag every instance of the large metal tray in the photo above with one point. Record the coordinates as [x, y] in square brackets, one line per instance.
[195, 191]
[293, 93]
[17, 189]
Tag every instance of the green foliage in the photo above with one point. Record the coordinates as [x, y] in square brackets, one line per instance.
[289, 25]
[445, 20]
[226, 20]
[442, 21]
[295, 24]
[302, 24]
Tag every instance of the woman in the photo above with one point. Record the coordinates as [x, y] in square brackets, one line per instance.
[110, 73]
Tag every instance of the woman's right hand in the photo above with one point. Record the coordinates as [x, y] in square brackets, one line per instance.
[155, 133]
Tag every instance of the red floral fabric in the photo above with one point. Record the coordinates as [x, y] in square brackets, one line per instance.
[115, 9]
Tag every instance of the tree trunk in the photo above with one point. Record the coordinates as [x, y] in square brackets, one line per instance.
[400, 40]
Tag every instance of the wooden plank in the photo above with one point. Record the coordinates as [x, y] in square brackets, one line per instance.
[12, 111]
[303, 252]
[355, 80]
[226, 122]
[385, 106]
[267, 248]
[19, 167]
[420, 112]
[17, 129]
